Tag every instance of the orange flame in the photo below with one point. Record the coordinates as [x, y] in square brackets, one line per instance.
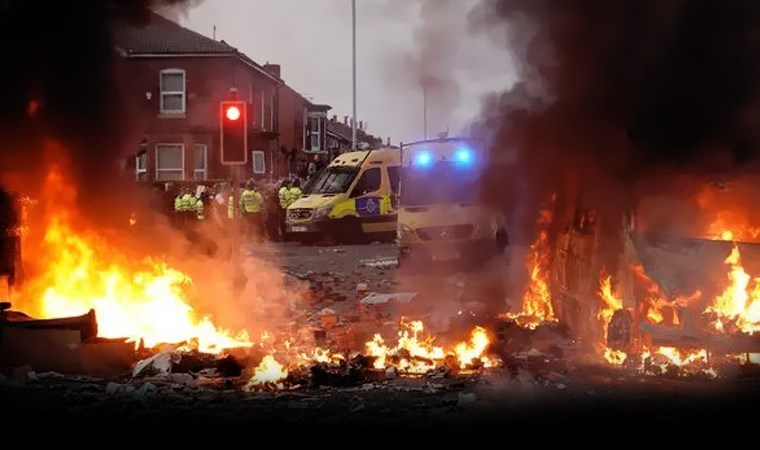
[655, 305]
[537, 305]
[611, 302]
[137, 301]
[416, 354]
[738, 305]
[269, 374]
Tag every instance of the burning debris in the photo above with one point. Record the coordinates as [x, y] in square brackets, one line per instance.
[537, 305]
[145, 302]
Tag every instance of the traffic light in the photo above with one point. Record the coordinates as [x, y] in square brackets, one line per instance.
[233, 126]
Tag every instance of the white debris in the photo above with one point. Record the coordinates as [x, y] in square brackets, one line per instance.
[115, 388]
[45, 375]
[561, 386]
[158, 364]
[145, 390]
[391, 373]
[183, 379]
[466, 400]
[32, 376]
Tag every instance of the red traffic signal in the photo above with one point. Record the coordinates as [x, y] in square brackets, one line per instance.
[232, 113]
[233, 132]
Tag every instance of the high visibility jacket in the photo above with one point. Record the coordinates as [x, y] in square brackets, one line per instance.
[199, 210]
[294, 194]
[250, 201]
[230, 207]
[184, 203]
[282, 194]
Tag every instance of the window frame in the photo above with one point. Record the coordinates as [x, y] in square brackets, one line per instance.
[141, 170]
[158, 167]
[361, 177]
[204, 170]
[315, 119]
[263, 162]
[162, 93]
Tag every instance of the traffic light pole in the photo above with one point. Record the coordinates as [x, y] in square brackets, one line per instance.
[238, 277]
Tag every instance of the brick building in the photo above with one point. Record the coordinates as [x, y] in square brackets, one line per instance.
[176, 79]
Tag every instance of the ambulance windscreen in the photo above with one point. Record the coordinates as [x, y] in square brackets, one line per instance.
[334, 180]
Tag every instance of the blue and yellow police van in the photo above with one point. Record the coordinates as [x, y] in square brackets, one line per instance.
[351, 200]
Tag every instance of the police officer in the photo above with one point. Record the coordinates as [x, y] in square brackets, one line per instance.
[295, 192]
[183, 204]
[251, 202]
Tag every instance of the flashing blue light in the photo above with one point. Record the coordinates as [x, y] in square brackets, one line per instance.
[423, 159]
[464, 155]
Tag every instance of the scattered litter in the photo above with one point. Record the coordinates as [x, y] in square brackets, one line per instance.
[298, 405]
[145, 390]
[466, 400]
[357, 408]
[115, 388]
[158, 364]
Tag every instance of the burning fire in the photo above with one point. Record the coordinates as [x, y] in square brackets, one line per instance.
[655, 305]
[611, 302]
[145, 302]
[537, 305]
[730, 223]
[738, 307]
[269, 374]
[416, 354]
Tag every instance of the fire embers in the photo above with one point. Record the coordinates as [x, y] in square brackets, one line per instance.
[413, 354]
[146, 301]
[737, 309]
[537, 305]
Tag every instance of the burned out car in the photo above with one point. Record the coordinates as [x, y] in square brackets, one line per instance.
[674, 270]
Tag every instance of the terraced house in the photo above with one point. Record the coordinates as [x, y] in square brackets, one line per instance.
[176, 78]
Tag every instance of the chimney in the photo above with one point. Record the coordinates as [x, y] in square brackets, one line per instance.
[388, 141]
[272, 69]
[334, 119]
[361, 125]
[345, 120]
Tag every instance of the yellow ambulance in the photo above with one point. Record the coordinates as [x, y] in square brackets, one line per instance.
[351, 200]
[440, 216]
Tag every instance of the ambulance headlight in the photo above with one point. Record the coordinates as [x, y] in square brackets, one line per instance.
[321, 213]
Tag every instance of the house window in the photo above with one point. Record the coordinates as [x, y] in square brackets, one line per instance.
[315, 132]
[200, 162]
[173, 91]
[259, 161]
[170, 162]
[141, 164]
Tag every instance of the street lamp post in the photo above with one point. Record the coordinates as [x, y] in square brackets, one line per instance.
[424, 110]
[353, 54]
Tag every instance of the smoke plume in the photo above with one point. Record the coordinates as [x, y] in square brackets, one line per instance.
[59, 83]
[611, 91]
[445, 63]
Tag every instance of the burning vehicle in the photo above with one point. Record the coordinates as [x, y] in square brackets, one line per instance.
[677, 286]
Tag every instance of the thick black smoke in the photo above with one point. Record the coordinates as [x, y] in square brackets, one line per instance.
[615, 90]
[59, 82]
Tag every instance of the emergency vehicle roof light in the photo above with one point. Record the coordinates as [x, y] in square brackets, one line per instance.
[423, 159]
[463, 155]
